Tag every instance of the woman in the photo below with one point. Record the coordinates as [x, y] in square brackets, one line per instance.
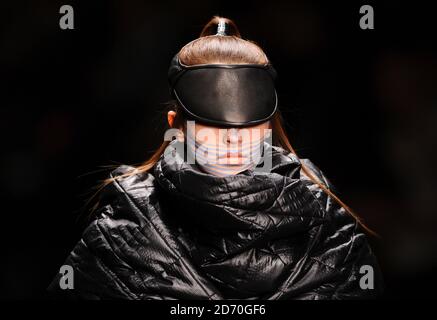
[224, 209]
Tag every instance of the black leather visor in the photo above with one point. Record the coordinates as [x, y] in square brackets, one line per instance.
[225, 94]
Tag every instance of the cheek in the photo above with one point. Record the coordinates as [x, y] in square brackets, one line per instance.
[257, 135]
[205, 135]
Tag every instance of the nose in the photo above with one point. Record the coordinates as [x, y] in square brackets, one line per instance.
[233, 136]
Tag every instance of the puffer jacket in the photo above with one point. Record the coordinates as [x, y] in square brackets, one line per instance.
[178, 233]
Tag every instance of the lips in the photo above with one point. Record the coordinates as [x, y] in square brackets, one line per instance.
[232, 158]
[233, 155]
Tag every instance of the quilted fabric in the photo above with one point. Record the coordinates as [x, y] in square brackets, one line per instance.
[178, 233]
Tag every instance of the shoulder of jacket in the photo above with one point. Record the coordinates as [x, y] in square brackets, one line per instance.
[127, 181]
[130, 195]
[127, 177]
[317, 172]
[121, 169]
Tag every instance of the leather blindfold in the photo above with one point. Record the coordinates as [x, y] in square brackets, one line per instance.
[224, 94]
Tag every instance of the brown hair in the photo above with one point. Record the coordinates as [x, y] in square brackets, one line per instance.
[232, 49]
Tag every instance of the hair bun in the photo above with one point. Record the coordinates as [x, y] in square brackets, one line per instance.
[220, 26]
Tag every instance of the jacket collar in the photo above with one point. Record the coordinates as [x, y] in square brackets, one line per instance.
[272, 203]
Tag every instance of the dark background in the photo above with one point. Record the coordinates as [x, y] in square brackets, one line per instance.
[361, 104]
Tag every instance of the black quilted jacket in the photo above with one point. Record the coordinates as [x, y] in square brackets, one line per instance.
[178, 233]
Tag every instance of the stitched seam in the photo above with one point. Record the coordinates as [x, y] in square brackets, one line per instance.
[353, 242]
[323, 263]
[304, 258]
[274, 254]
[315, 198]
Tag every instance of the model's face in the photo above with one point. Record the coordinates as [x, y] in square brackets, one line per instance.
[225, 150]
[236, 141]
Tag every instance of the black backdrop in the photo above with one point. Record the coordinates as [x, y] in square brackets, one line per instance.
[359, 103]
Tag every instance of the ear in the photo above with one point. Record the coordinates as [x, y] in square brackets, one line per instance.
[170, 118]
